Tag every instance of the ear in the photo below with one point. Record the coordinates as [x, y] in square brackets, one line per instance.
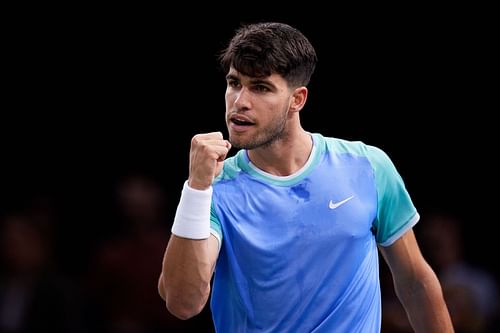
[299, 98]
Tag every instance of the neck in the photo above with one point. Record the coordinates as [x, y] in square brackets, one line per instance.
[285, 156]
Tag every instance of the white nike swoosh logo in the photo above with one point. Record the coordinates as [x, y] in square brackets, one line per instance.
[333, 205]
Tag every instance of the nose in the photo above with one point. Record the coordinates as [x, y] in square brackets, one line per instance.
[242, 101]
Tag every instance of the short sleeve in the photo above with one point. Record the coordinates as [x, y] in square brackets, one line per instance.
[396, 213]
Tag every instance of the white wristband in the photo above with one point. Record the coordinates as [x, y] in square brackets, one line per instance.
[192, 218]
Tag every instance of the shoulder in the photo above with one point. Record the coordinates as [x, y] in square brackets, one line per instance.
[232, 166]
[354, 147]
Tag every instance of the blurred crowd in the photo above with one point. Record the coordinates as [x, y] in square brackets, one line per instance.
[56, 276]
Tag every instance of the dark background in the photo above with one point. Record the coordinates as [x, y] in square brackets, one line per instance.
[91, 95]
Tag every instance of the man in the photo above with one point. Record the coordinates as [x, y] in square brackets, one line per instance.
[291, 223]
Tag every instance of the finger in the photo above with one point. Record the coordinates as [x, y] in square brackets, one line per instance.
[208, 136]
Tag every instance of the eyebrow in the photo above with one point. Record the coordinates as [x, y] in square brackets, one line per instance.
[252, 80]
[231, 77]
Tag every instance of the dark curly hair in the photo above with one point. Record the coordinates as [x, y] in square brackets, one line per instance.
[262, 49]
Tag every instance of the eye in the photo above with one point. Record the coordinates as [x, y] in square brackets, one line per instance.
[261, 88]
[233, 83]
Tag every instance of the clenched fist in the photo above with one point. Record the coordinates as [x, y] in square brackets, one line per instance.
[206, 158]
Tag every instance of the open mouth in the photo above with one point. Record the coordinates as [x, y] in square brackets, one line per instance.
[241, 121]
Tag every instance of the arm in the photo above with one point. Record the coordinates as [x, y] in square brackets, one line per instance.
[417, 286]
[187, 268]
[191, 253]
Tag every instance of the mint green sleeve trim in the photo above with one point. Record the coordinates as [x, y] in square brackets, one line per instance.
[401, 231]
[396, 213]
[215, 227]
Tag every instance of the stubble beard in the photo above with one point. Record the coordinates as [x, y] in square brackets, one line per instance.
[265, 138]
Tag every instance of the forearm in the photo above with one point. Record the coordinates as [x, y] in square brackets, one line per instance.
[192, 251]
[186, 273]
[190, 255]
[425, 306]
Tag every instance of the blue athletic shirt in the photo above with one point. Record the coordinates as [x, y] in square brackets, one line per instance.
[299, 253]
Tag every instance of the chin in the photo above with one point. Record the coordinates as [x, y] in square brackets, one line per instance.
[235, 143]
